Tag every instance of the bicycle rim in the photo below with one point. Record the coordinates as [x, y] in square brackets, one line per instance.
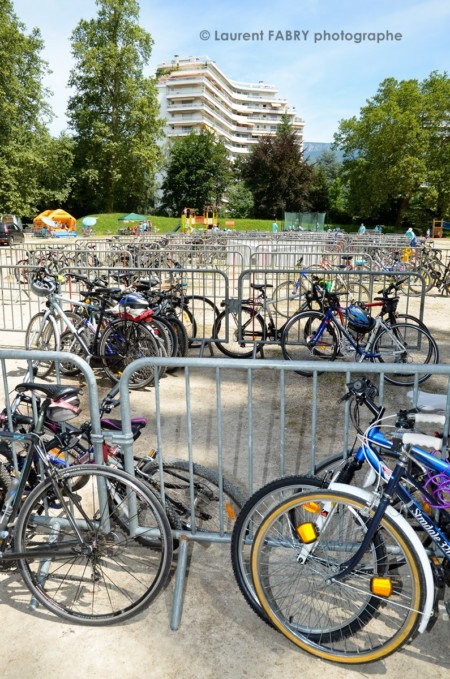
[339, 620]
[111, 575]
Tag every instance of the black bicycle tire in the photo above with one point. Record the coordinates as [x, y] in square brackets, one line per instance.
[230, 492]
[433, 349]
[303, 316]
[251, 317]
[45, 336]
[41, 499]
[241, 568]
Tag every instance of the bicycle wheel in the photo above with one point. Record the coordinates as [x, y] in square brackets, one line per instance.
[70, 343]
[245, 329]
[22, 271]
[298, 341]
[109, 575]
[354, 291]
[287, 297]
[179, 330]
[347, 620]
[405, 343]
[40, 335]
[203, 312]
[210, 514]
[122, 343]
[248, 522]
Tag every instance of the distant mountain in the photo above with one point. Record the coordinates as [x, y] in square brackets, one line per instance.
[312, 150]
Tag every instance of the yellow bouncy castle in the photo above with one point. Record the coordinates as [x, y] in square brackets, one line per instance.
[62, 220]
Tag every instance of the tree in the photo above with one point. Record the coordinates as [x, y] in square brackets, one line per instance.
[240, 201]
[24, 115]
[197, 173]
[114, 111]
[277, 175]
[391, 149]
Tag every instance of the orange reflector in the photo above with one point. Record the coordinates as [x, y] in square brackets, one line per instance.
[307, 532]
[151, 453]
[312, 507]
[230, 511]
[426, 508]
[381, 586]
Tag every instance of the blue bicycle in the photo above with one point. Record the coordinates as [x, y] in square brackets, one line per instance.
[339, 570]
[351, 333]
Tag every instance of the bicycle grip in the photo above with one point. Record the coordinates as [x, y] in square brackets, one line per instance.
[422, 440]
[429, 418]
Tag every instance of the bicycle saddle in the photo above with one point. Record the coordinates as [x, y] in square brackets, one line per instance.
[260, 286]
[54, 391]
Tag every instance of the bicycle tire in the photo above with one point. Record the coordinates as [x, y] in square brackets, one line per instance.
[122, 343]
[249, 520]
[287, 297]
[389, 343]
[203, 319]
[252, 329]
[114, 576]
[182, 336]
[296, 336]
[329, 618]
[40, 335]
[70, 343]
[206, 485]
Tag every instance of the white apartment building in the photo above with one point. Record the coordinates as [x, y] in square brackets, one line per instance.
[194, 94]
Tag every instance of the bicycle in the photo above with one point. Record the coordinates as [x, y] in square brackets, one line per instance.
[340, 572]
[116, 345]
[316, 336]
[253, 322]
[68, 445]
[93, 557]
[288, 295]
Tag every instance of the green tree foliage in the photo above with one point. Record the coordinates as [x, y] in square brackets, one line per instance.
[27, 152]
[114, 111]
[240, 201]
[277, 175]
[397, 146]
[197, 173]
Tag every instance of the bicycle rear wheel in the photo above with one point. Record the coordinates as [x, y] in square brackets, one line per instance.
[405, 343]
[299, 342]
[244, 329]
[111, 573]
[347, 620]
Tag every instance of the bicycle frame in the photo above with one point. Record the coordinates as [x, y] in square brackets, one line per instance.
[364, 352]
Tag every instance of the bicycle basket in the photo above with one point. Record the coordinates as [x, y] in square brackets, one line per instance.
[64, 409]
[358, 320]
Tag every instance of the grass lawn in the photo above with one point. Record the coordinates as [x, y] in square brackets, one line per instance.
[108, 224]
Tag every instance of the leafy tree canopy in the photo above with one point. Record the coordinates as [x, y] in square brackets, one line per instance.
[197, 173]
[114, 111]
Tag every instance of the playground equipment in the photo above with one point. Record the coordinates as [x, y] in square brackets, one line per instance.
[190, 220]
[57, 222]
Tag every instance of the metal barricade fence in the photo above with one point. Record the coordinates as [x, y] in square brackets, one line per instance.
[254, 421]
[283, 300]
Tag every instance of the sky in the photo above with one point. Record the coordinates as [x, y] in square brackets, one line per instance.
[338, 54]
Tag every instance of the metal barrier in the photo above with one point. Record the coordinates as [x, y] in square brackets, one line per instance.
[259, 421]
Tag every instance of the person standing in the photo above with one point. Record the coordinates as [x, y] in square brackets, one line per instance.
[274, 227]
[362, 229]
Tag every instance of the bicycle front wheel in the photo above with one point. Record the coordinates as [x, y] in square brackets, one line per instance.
[122, 343]
[287, 297]
[212, 512]
[300, 340]
[40, 335]
[248, 521]
[99, 569]
[244, 330]
[355, 619]
[405, 343]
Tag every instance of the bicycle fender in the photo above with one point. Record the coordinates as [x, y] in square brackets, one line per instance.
[402, 523]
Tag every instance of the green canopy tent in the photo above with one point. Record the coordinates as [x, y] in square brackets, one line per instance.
[133, 217]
